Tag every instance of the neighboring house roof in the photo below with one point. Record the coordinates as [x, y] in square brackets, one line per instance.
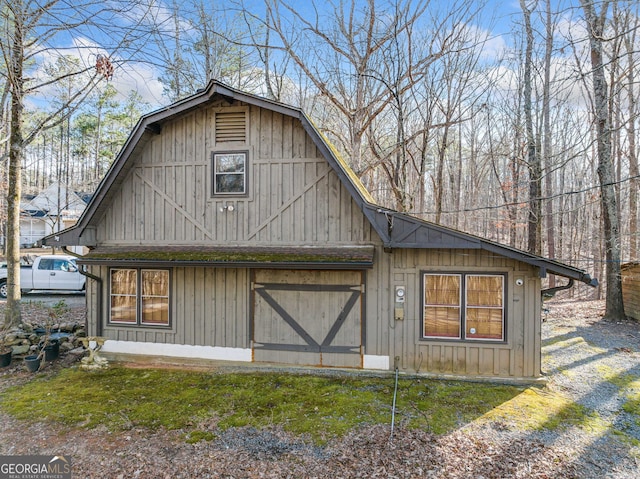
[397, 230]
[54, 200]
[31, 213]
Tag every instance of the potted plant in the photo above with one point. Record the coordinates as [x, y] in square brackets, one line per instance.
[51, 346]
[32, 362]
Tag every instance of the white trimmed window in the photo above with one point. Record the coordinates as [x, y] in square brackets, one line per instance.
[139, 296]
[463, 306]
[230, 173]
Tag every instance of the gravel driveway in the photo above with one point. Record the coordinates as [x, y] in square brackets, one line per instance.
[597, 364]
[73, 299]
[587, 360]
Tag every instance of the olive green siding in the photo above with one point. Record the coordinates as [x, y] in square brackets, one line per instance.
[517, 357]
[326, 304]
[209, 307]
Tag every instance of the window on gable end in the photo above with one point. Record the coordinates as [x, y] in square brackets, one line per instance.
[229, 173]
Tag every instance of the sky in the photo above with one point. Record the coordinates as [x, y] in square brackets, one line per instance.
[497, 17]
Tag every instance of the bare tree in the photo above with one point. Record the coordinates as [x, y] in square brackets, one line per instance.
[200, 41]
[367, 62]
[176, 73]
[32, 29]
[340, 55]
[547, 136]
[533, 154]
[596, 22]
[634, 172]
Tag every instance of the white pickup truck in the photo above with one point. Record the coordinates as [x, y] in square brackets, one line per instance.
[48, 272]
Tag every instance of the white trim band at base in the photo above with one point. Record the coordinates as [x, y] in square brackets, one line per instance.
[370, 361]
[177, 350]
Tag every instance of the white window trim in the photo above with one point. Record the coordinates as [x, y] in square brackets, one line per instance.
[215, 174]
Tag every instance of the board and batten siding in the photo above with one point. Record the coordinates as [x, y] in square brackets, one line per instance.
[209, 307]
[631, 289]
[294, 197]
[325, 305]
[517, 357]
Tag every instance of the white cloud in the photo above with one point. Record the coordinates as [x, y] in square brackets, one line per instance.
[494, 48]
[143, 79]
[127, 76]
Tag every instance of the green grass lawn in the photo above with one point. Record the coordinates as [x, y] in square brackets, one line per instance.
[320, 406]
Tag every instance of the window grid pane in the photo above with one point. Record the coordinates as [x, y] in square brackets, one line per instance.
[124, 285]
[484, 291]
[485, 311]
[442, 306]
[155, 297]
[229, 183]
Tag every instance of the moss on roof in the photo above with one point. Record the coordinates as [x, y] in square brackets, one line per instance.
[233, 255]
[343, 164]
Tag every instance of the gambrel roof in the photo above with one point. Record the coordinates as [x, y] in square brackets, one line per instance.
[396, 230]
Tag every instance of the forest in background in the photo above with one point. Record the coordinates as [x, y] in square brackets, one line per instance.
[496, 134]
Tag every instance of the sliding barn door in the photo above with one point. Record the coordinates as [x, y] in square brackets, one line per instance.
[308, 317]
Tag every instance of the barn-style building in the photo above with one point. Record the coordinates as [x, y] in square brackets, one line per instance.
[229, 229]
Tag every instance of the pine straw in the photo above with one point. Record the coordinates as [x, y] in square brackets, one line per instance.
[368, 453]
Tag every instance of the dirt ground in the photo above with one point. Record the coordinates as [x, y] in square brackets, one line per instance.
[580, 352]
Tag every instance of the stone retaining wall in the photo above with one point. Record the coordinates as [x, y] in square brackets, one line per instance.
[27, 339]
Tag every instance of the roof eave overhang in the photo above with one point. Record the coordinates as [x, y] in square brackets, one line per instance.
[241, 256]
[67, 237]
[399, 230]
[307, 265]
[545, 266]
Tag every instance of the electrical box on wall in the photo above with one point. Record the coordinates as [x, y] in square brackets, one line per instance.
[398, 310]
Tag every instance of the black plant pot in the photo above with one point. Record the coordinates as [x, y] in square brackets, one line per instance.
[52, 351]
[5, 359]
[32, 363]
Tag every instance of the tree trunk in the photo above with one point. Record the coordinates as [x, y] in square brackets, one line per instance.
[12, 311]
[633, 156]
[533, 158]
[439, 185]
[548, 154]
[606, 173]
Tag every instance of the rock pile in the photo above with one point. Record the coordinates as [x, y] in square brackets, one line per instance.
[29, 339]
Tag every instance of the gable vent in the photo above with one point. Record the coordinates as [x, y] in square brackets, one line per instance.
[231, 126]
